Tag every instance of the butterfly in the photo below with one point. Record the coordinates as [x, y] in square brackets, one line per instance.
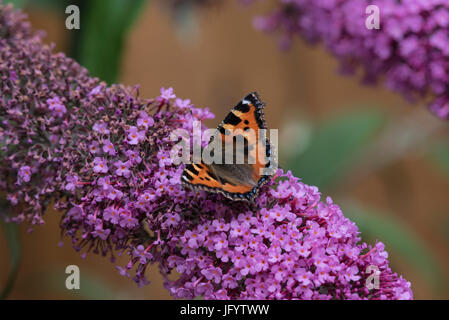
[236, 180]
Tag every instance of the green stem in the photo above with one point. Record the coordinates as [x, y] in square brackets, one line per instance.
[103, 31]
[12, 238]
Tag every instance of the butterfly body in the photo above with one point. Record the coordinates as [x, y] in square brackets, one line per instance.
[240, 178]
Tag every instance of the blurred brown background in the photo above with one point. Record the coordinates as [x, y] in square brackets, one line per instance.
[214, 63]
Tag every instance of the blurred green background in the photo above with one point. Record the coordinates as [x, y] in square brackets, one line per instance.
[383, 160]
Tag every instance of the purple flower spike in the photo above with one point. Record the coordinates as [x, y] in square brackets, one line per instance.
[410, 50]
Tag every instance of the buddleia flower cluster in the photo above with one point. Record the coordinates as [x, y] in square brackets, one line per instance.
[409, 51]
[101, 156]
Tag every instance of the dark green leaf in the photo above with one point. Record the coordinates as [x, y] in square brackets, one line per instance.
[335, 147]
[104, 26]
[11, 231]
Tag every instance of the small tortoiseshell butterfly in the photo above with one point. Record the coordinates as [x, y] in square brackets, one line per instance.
[237, 181]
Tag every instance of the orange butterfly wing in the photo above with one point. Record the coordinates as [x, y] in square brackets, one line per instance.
[201, 176]
[248, 114]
